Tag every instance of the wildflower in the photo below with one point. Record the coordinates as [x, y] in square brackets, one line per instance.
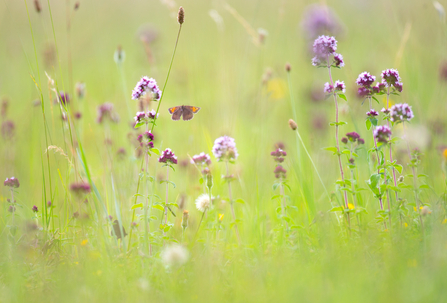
[278, 155]
[105, 111]
[386, 111]
[328, 88]
[185, 219]
[382, 133]
[12, 182]
[353, 136]
[324, 46]
[319, 20]
[365, 79]
[401, 112]
[145, 117]
[203, 202]
[181, 15]
[425, 210]
[390, 77]
[340, 86]
[379, 88]
[174, 255]
[201, 159]
[80, 188]
[364, 92]
[119, 56]
[372, 113]
[280, 172]
[8, 129]
[64, 98]
[146, 139]
[292, 124]
[344, 140]
[360, 141]
[288, 67]
[262, 33]
[78, 115]
[49, 204]
[168, 157]
[338, 60]
[80, 90]
[144, 86]
[220, 217]
[225, 149]
[35, 209]
[84, 242]
[12, 208]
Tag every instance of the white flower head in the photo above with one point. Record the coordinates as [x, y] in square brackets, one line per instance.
[203, 202]
[175, 255]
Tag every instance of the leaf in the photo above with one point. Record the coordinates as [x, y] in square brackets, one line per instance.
[275, 186]
[276, 196]
[139, 124]
[139, 205]
[368, 124]
[424, 186]
[343, 97]
[422, 176]
[201, 180]
[155, 151]
[346, 152]
[398, 167]
[159, 207]
[375, 99]
[338, 208]
[239, 200]
[332, 149]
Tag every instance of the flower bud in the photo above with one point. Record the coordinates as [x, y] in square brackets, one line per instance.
[288, 67]
[185, 219]
[181, 15]
[209, 181]
[293, 125]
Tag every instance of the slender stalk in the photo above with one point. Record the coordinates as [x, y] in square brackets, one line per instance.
[390, 149]
[135, 202]
[231, 205]
[283, 206]
[167, 76]
[167, 192]
[345, 194]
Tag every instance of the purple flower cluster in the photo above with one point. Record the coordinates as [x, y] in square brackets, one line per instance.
[8, 129]
[146, 139]
[168, 157]
[372, 113]
[142, 116]
[12, 182]
[64, 98]
[365, 80]
[339, 86]
[278, 155]
[382, 133]
[318, 20]
[146, 85]
[35, 209]
[391, 78]
[401, 112]
[379, 88]
[280, 172]
[328, 88]
[80, 188]
[201, 159]
[352, 137]
[105, 111]
[225, 149]
[323, 47]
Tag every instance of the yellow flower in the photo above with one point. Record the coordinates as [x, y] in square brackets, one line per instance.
[444, 153]
[351, 206]
[221, 216]
[405, 224]
[445, 221]
[84, 242]
[276, 88]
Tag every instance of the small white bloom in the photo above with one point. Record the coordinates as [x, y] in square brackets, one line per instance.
[175, 255]
[203, 202]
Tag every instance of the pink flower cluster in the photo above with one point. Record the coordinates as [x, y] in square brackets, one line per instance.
[144, 86]
[12, 182]
[168, 156]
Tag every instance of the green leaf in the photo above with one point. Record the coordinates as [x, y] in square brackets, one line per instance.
[332, 149]
[139, 205]
[139, 124]
[239, 200]
[343, 97]
[338, 208]
[376, 100]
[159, 207]
[275, 186]
[368, 124]
[398, 167]
[276, 196]
[424, 186]
[346, 152]
[155, 151]
[201, 181]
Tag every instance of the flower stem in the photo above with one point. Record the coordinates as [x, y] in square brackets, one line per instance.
[231, 206]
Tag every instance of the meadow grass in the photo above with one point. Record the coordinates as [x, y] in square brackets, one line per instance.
[102, 215]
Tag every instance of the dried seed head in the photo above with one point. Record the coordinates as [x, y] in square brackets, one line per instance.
[400, 179]
[181, 15]
[37, 6]
[288, 67]
[185, 219]
[76, 5]
[293, 125]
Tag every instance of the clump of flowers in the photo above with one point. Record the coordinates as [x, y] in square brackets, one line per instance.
[201, 159]
[63, 98]
[324, 47]
[353, 137]
[372, 113]
[203, 202]
[224, 149]
[365, 80]
[382, 133]
[145, 117]
[278, 155]
[12, 182]
[8, 129]
[105, 111]
[391, 78]
[401, 112]
[80, 188]
[146, 139]
[280, 172]
[319, 20]
[168, 157]
[174, 255]
[35, 209]
[144, 86]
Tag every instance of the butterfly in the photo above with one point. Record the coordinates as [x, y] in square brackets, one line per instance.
[185, 110]
[117, 230]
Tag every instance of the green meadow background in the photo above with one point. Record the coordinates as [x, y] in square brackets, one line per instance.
[220, 67]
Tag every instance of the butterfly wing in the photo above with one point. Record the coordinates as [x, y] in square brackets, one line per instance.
[189, 111]
[176, 112]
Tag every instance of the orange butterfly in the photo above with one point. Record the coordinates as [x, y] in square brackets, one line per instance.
[186, 111]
